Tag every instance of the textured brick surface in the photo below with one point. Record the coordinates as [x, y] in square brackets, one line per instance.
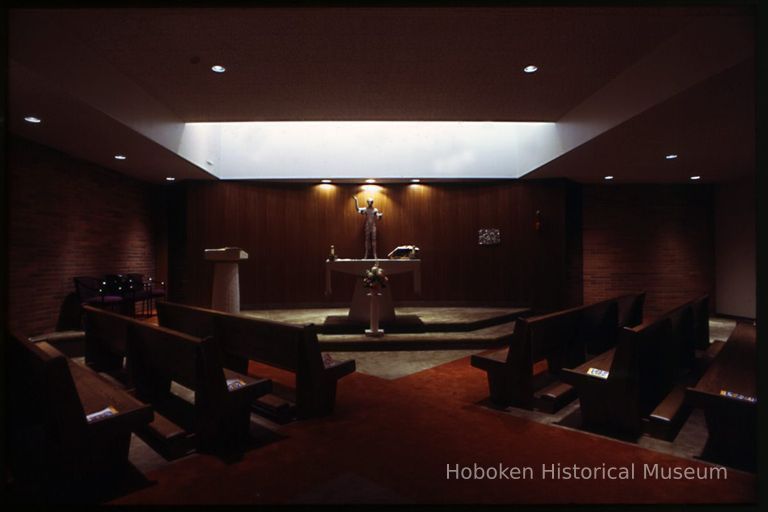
[69, 218]
[657, 238]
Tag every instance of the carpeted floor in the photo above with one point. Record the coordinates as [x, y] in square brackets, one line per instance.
[392, 438]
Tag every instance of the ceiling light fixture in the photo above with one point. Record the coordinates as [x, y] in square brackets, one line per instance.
[209, 162]
[33, 119]
[370, 180]
[415, 180]
[218, 69]
[170, 178]
[695, 178]
[120, 157]
[671, 157]
[608, 178]
[326, 181]
[530, 68]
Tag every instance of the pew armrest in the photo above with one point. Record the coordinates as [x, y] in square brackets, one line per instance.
[579, 374]
[97, 393]
[669, 408]
[489, 362]
[338, 369]
[253, 388]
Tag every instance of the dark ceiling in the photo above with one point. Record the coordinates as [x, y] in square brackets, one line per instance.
[378, 64]
[372, 64]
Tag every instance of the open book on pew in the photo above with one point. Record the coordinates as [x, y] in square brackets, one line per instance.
[100, 415]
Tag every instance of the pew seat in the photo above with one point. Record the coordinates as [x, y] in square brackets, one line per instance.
[554, 397]
[668, 417]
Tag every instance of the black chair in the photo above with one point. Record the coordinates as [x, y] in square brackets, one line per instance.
[93, 291]
[146, 292]
[138, 291]
[157, 290]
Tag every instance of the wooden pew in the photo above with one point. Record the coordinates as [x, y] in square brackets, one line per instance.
[156, 356]
[727, 392]
[289, 347]
[222, 415]
[620, 387]
[53, 439]
[646, 375]
[563, 339]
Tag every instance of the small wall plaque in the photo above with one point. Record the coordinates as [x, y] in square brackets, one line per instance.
[488, 236]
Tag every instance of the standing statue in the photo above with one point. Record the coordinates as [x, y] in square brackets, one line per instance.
[372, 216]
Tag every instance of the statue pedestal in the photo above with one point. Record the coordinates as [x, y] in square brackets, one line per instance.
[374, 330]
[226, 277]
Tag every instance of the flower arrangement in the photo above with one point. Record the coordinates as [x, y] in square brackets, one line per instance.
[374, 278]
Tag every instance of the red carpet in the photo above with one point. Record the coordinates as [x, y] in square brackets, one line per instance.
[390, 441]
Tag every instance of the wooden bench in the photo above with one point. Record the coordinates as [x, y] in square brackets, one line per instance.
[727, 392]
[643, 379]
[289, 347]
[563, 339]
[222, 397]
[618, 388]
[54, 440]
[156, 357]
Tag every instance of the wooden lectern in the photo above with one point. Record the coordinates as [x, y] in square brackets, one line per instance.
[226, 277]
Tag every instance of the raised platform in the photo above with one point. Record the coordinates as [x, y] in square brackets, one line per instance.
[416, 328]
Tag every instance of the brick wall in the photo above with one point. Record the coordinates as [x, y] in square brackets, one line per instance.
[69, 218]
[658, 238]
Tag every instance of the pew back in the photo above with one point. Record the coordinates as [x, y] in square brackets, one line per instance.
[176, 356]
[105, 339]
[701, 322]
[282, 345]
[554, 337]
[649, 365]
[630, 309]
[287, 346]
[188, 319]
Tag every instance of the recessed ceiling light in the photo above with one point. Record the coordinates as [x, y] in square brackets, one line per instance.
[694, 178]
[33, 119]
[608, 178]
[531, 69]
[170, 178]
[120, 157]
[370, 180]
[218, 69]
[671, 157]
[326, 181]
[415, 180]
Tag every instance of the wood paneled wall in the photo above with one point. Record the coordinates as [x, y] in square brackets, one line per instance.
[288, 230]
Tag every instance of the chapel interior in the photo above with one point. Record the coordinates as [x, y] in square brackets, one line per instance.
[356, 255]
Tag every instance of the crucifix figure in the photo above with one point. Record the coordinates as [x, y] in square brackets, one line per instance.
[372, 216]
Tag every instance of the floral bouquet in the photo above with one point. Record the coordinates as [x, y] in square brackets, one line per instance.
[374, 278]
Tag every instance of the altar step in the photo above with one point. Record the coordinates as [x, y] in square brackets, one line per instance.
[452, 320]
[494, 336]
